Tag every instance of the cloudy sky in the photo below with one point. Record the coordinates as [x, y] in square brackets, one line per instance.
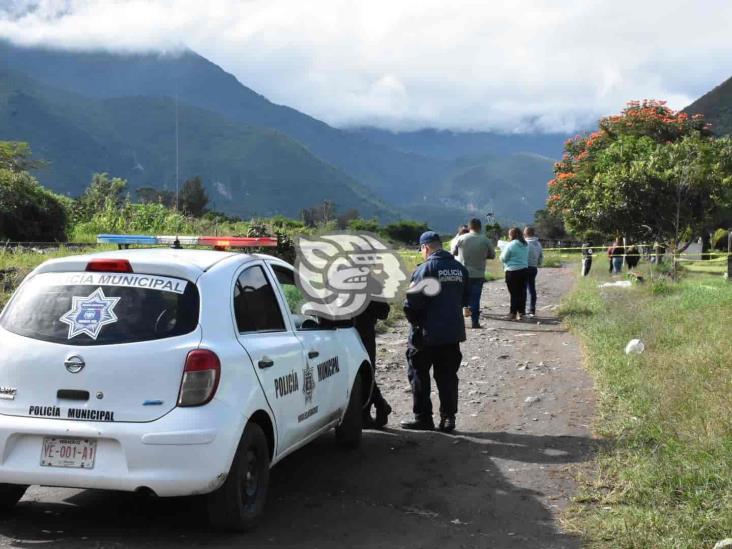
[517, 65]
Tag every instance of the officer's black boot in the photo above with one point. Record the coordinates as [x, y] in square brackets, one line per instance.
[382, 415]
[447, 424]
[419, 425]
[367, 421]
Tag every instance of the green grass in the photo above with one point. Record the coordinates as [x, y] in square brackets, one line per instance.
[24, 262]
[665, 477]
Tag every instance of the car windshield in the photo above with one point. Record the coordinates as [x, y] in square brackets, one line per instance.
[102, 308]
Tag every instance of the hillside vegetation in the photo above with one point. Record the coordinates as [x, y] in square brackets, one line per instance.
[716, 106]
[492, 183]
[251, 171]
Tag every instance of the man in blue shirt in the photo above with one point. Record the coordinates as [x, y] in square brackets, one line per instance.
[438, 292]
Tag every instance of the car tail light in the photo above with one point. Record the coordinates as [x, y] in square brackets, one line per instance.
[109, 266]
[200, 378]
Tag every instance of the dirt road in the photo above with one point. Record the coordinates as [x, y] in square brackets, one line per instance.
[524, 422]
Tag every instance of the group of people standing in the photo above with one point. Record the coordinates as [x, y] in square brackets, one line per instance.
[437, 325]
[619, 252]
[521, 256]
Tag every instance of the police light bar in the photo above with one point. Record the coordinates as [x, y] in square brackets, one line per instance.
[126, 239]
[215, 241]
[182, 240]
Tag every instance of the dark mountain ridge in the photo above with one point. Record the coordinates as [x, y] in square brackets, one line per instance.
[249, 171]
[716, 106]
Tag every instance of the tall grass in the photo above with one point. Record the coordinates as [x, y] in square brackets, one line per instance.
[665, 479]
[16, 264]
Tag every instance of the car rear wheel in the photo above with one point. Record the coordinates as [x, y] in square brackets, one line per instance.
[239, 503]
[10, 494]
[348, 433]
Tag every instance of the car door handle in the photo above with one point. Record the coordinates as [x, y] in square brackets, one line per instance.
[265, 363]
[313, 354]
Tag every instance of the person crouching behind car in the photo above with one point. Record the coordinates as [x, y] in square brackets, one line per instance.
[437, 329]
[365, 325]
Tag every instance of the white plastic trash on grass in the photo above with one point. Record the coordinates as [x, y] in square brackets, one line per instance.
[634, 346]
[617, 284]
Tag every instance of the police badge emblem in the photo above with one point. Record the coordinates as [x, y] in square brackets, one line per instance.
[89, 314]
[308, 383]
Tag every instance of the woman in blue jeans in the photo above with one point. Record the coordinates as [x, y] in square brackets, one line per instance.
[536, 258]
[615, 254]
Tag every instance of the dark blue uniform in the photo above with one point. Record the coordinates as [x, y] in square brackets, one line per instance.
[437, 329]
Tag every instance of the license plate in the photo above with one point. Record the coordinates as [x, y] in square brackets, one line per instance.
[69, 452]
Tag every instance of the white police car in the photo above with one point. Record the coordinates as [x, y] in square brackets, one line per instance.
[173, 371]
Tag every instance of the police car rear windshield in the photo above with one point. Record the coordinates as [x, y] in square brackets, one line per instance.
[102, 308]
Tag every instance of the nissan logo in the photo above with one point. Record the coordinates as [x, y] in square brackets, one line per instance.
[74, 364]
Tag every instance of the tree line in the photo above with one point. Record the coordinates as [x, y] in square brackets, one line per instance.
[648, 174]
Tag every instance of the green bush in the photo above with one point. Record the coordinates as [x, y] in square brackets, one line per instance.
[405, 231]
[662, 286]
[30, 212]
[365, 225]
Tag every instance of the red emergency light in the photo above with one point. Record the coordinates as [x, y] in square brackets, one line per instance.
[238, 241]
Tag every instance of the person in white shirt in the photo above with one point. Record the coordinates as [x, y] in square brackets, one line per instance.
[536, 258]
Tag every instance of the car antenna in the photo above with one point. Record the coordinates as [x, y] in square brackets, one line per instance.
[176, 243]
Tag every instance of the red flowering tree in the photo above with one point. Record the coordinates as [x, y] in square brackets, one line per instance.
[647, 167]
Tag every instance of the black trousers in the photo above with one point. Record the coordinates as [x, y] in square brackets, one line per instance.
[516, 282]
[368, 336]
[445, 359]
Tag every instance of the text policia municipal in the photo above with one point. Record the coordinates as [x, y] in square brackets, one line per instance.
[71, 413]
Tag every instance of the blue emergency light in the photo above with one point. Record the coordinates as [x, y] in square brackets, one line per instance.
[126, 239]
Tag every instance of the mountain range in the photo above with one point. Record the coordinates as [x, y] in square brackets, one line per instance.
[716, 106]
[100, 111]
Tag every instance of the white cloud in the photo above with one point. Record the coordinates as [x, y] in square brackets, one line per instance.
[413, 63]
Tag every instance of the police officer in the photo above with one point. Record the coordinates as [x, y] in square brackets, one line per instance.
[365, 325]
[437, 328]
[586, 258]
